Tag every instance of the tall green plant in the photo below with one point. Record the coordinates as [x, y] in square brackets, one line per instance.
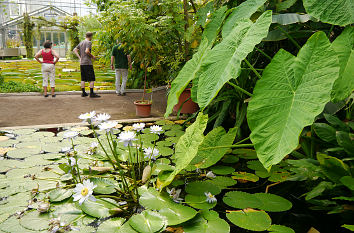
[28, 26]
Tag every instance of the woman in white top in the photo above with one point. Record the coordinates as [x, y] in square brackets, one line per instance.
[48, 66]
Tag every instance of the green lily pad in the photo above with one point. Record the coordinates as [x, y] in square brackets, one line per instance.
[175, 213]
[96, 208]
[35, 221]
[272, 202]
[148, 222]
[230, 159]
[280, 229]
[223, 181]
[245, 153]
[111, 225]
[199, 202]
[198, 188]
[245, 176]
[250, 219]
[222, 170]
[206, 222]
[104, 186]
[57, 195]
[241, 200]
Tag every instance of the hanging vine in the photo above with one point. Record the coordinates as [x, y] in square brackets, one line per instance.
[28, 26]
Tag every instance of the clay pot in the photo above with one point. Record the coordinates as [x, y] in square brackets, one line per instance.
[189, 106]
[143, 108]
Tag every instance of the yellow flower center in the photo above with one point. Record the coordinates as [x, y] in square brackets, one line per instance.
[84, 191]
[210, 195]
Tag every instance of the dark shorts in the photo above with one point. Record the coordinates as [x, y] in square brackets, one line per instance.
[87, 73]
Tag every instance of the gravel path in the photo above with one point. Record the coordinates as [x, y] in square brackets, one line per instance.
[37, 110]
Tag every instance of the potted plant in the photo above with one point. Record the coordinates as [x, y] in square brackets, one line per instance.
[185, 103]
[143, 107]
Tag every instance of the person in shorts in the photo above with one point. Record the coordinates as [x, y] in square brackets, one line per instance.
[86, 66]
[48, 66]
[120, 62]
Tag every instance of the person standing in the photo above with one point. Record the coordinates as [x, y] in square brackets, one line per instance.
[86, 66]
[48, 66]
[120, 62]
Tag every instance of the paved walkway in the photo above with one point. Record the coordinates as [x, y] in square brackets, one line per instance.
[37, 110]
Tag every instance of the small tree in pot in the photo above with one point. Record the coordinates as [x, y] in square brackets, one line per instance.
[143, 107]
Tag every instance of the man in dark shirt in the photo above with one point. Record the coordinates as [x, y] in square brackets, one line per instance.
[120, 62]
[86, 66]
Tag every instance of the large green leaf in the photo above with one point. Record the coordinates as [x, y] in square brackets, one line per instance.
[291, 93]
[147, 222]
[281, 6]
[212, 28]
[243, 11]
[343, 46]
[224, 60]
[188, 73]
[217, 137]
[187, 146]
[290, 18]
[338, 12]
[250, 219]
[208, 221]
[175, 213]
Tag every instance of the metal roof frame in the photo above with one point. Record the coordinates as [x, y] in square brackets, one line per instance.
[19, 19]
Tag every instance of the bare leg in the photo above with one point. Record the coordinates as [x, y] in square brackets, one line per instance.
[92, 84]
[82, 84]
[45, 90]
[53, 90]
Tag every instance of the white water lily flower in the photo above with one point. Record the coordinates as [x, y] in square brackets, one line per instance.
[108, 126]
[102, 117]
[89, 116]
[127, 137]
[151, 153]
[138, 126]
[156, 129]
[70, 135]
[210, 198]
[210, 174]
[94, 145]
[65, 149]
[72, 161]
[174, 193]
[84, 191]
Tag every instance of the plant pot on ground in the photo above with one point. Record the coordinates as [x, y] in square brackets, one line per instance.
[185, 103]
[143, 107]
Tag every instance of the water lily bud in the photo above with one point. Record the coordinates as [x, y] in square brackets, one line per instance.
[146, 174]
[43, 207]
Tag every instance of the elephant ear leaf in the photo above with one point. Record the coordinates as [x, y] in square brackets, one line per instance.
[243, 11]
[338, 12]
[185, 76]
[224, 60]
[291, 93]
[343, 46]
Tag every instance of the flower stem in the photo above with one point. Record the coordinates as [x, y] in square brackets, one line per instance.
[239, 88]
[76, 162]
[253, 69]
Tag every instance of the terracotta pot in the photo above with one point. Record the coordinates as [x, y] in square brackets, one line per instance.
[189, 106]
[143, 109]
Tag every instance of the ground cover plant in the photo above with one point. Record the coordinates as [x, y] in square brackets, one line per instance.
[29, 74]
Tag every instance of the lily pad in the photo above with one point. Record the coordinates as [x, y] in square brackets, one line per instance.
[200, 187]
[222, 170]
[104, 186]
[245, 177]
[96, 208]
[272, 202]
[280, 229]
[250, 219]
[199, 202]
[59, 194]
[241, 200]
[147, 222]
[35, 221]
[111, 225]
[223, 181]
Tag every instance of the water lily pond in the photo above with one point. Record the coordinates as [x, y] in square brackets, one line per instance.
[67, 74]
[110, 177]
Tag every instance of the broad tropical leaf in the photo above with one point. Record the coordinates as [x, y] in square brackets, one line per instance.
[344, 47]
[188, 73]
[224, 60]
[243, 11]
[187, 146]
[284, 5]
[338, 12]
[290, 18]
[217, 137]
[291, 93]
[213, 27]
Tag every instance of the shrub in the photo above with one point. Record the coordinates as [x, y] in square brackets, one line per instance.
[11, 86]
